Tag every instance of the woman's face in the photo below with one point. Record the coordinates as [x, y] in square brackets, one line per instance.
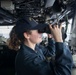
[35, 37]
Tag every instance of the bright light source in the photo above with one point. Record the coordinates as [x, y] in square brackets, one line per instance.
[5, 30]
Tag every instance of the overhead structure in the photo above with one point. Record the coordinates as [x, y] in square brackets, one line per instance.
[40, 10]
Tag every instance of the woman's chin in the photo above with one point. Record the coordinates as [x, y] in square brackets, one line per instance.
[39, 41]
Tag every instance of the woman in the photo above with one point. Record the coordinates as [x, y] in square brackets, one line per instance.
[31, 58]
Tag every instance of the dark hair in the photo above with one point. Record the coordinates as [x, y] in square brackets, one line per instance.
[23, 24]
[15, 38]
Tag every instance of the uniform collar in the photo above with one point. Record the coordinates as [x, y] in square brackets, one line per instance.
[24, 47]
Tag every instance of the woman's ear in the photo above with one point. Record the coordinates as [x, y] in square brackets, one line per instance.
[26, 35]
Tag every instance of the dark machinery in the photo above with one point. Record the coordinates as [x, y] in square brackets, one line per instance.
[49, 11]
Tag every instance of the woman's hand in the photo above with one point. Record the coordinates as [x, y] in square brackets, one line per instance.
[56, 32]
